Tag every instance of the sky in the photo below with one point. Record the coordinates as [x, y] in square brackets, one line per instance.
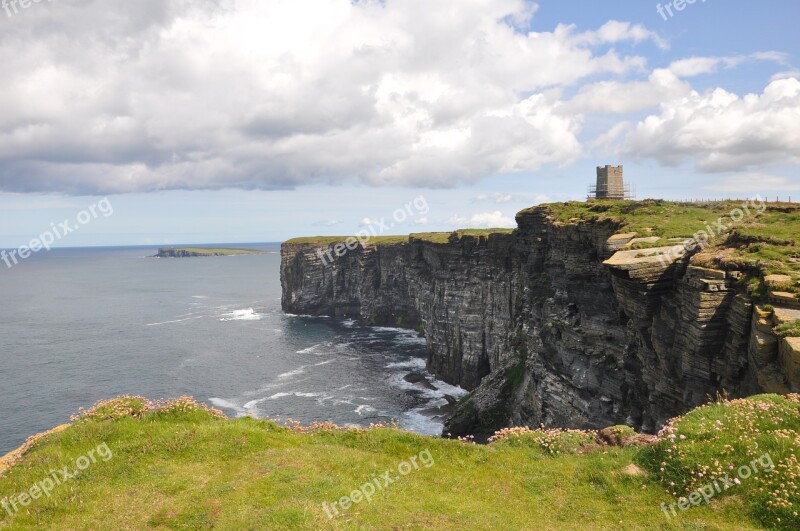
[228, 121]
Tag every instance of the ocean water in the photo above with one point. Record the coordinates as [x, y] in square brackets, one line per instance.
[81, 325]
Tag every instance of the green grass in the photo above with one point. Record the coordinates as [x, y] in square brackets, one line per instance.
[791, 329]
[648, 218]
[433, 237]
[483, 232]
[177, 466]
[444, 237]
[209, 251]
[768, 238]
[330, 240]
[720, 438]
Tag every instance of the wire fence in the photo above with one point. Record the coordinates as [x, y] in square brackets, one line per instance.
[766, 199]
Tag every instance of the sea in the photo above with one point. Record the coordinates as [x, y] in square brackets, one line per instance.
[82, 325]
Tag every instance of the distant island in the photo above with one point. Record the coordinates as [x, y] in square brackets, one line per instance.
[191, 252]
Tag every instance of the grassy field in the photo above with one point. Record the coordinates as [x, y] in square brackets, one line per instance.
[767, 234]
[178, 466]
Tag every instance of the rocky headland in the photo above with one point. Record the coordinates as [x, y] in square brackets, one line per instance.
[194, 252]
[587, 315]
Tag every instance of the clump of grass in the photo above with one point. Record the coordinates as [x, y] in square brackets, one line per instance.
[332, 427]
[791, 329]
[548, 441]
[622, 431]
[756, 288]
[116, 408]
[717, 440]
[650, 245]
[138, 407]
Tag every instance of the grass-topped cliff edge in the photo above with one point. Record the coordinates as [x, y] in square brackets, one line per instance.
[178, 465]
[756, 233]
[433, 237]
[759, 238]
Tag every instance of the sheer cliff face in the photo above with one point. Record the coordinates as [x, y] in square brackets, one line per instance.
[458, 294]
[544, 328]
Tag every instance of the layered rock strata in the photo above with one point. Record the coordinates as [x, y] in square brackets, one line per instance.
[559, 324]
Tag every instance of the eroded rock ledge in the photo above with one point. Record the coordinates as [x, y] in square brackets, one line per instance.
[559, 324]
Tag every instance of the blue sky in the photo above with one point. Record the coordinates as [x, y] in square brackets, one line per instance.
[259, 121]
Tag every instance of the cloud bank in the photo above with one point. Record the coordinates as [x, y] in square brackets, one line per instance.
[116, 96]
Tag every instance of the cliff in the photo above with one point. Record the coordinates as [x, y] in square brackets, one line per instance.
[569, 322]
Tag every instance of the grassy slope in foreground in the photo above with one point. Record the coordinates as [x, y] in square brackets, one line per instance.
[181, 467]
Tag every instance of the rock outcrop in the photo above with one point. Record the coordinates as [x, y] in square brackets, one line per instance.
[195, 252]
[559, 324]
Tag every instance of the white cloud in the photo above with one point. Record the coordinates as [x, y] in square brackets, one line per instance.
[115, 96]
[615, 31]
[694, 66]
[663, 84]
[328, 223]
[722, 131]
[498, 197]
[120, 96]
[755, 183]
[609, 141]
[785, 75]
[614, 97]
[484, 220]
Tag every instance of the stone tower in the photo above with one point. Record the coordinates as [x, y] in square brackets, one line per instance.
[610, 183]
